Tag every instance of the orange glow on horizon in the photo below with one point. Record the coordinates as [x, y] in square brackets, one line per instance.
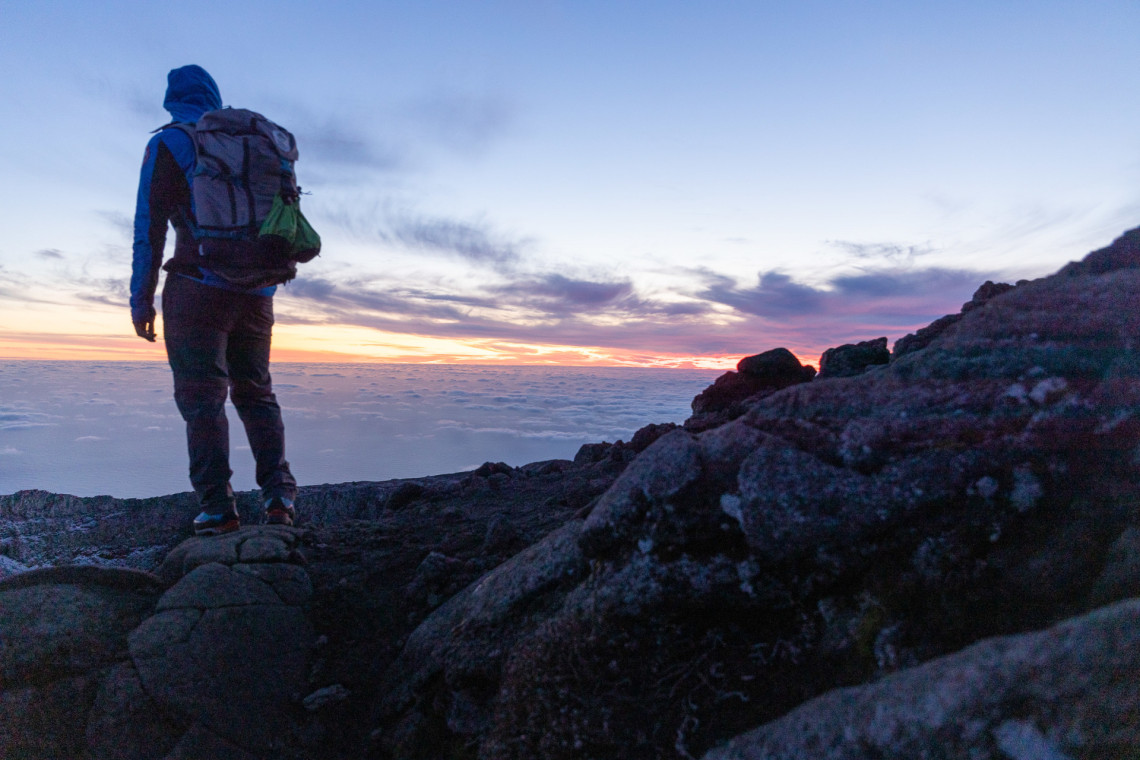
[340, 347]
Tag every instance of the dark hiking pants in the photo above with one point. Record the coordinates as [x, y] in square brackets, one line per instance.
[218, 341]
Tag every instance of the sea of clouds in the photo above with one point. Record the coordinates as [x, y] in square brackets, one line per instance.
[91, 428]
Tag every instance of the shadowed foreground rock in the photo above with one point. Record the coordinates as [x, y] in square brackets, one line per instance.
[933, 538]
[1069, 691]
[110, 667]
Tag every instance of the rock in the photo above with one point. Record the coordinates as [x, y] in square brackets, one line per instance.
[778, 367]
[853, 358]
[199, 743]
[921, 339]
[1123, 253]
[60, 629]
[434, 576]
[665, 469]
[917, 341]
[322, 698]
[40, 528]
[404, 495]
[757, 375]
[215, 585]
[265, 543]
[987, 290]
[10, 567]
[46, 720]
[72, 621]
[645, 436]
[589, 453]
[1120, 577]
[500, 536]
[228, 647]
[124, 721]
[1057, 693]
[487, 469]
[833, 534]
[465, 641]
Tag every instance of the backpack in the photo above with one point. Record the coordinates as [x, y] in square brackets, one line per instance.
[247, 216]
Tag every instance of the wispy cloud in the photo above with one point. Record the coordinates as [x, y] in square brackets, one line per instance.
[893, 295]
[398, 138]
[898, 254]
[462, 122]
[49, 253]
[473, 241]
[344, 145]
[555, 295]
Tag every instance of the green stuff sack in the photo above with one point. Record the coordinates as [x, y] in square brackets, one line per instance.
[307, 244]
[288, 233]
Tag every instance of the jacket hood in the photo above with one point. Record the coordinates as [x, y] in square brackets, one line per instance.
[190, 92]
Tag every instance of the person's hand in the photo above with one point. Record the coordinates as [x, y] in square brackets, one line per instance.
[143, 317]
[144, 328]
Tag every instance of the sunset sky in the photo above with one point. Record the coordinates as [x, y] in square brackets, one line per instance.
[658, 183]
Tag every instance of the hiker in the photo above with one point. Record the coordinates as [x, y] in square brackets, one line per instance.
[217, 334]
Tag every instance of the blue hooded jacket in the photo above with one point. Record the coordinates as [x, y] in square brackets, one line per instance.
[190, 92]
[164, 190]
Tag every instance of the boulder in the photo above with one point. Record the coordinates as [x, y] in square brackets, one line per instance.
[1047, 695]
[100, 662]
[451, 664]
[853, 358]
[227, 649]
[755, 376]
[61, 629]
[645, 436]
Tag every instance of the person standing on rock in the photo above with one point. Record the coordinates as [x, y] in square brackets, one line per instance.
[217, 334]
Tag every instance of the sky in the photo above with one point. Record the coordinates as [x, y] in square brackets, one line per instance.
[668, 184]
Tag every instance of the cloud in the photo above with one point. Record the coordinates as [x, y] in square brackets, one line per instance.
[462, 122]
[17, 418]
[886, 295]
[343, 145]
[775, 295]
[122, 222]
[108, 291]
[395, 139]
[898, 254]
[557, 295]
[536, 309]
[473, 241]
[891, 283]
[50, 253]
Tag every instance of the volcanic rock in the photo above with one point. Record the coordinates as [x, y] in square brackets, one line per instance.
[1052, 694]
[833, 534]
[756, 376]
[921, 339]
[853, 358]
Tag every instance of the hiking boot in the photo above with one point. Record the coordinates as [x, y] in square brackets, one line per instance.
[225, 521]
[279, 511]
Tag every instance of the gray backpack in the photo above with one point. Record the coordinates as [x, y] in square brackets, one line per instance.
[244, 177]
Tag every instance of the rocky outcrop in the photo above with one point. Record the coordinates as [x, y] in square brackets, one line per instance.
[835, 533]
[897, 562]
[853, 359]
[755, 377]
[921, 339]
[104, 663]
[1066, 692]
